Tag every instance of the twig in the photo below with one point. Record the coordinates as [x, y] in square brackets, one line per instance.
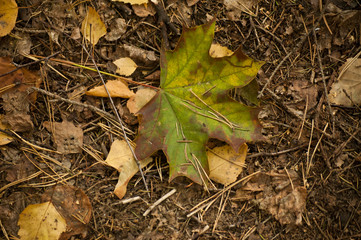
[119, 120]
[159, 201]
[28, 64]
[261, 154]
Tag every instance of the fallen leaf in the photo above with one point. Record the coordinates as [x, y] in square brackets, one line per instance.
[93, 27]
[8, 15]
[116, 88]
[219, 51]
[349, 82]
[121, 158]
[4, 138]
[192, 105]
[144, 10]
[125, 66]
[67, 137]
[41, 221]
[236, 7]
[73, 205]
[278, 192]
[141, 97]
[225, 164]
[140, 54]
[117, 27]
[132, 1]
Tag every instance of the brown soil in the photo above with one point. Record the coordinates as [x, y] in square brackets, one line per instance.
[328, 162]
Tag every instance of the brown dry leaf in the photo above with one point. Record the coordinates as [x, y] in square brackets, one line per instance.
[141, 97]
[121, 158]
[116, 88]
[4, 138]
[92, 24]
[225, 164]
[236, 7]
[132, 1]
[41, 221]
[117, 27]
[278, 192]
[349, 82]
[144, 10]
[218, 51]
[125, 66]
[67, 137]
[140, 54]
[303, 92]
[75, 207]
[8, 15]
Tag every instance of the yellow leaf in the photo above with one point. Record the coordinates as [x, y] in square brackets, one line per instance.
[218, 51]
[93, 27]
[4, 138]
[225, 164]
[141, 97]
[132, 1]
[41, 221]
[116, 88]
[125, 66]
[8, 15]
[121, 158]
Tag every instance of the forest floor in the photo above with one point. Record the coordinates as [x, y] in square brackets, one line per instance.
[317, 142]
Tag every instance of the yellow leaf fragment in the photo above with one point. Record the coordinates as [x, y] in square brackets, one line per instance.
[225, 164]
[121, 158]
[8, 15]
[93, 27]
[132, 1]
[125, 66]
[116, 88]
[141, 97]
[41, 221]
[218, 51]
[4, 138]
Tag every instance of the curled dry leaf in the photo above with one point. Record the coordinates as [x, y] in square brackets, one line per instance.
[225, 164]
[116, 88]
[121, 158]
[141, 97]
[41, 221]
[347, 90]
[277, 192]
[73, 205]
[93, 27]
[125, 66]
[8, 15]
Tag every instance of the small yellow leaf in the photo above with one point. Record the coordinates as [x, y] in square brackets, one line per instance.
[218, 51]
[116, 88]
[8, 15]
[132, 1]
[93, 27]
[141, 97]
[225, 164]
[41, 221]
[121, 158]
[125, 66]
[4, 138]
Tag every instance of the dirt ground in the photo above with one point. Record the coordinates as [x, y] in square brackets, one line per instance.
[303, 48]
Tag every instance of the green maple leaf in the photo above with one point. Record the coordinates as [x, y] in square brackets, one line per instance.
[193, 105]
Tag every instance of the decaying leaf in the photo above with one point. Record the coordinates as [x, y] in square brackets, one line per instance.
[4, 138]
[278, 192]
[141, 97]
[8, 15]
[125, 66]
[121, 158]
[219, 51]
[41, 221]
[144, 10]
[225, 164]
[193, 105]
[67, 137]
[116, 88]
[117, 27]
[132, 1]
[347, 90]
[93, 27]
[236, 7]
[73, 205]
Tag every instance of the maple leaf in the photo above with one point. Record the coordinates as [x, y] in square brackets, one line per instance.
[193, 105]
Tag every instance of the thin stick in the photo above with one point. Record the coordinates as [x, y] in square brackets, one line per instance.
[120, 121]
[159, 201]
